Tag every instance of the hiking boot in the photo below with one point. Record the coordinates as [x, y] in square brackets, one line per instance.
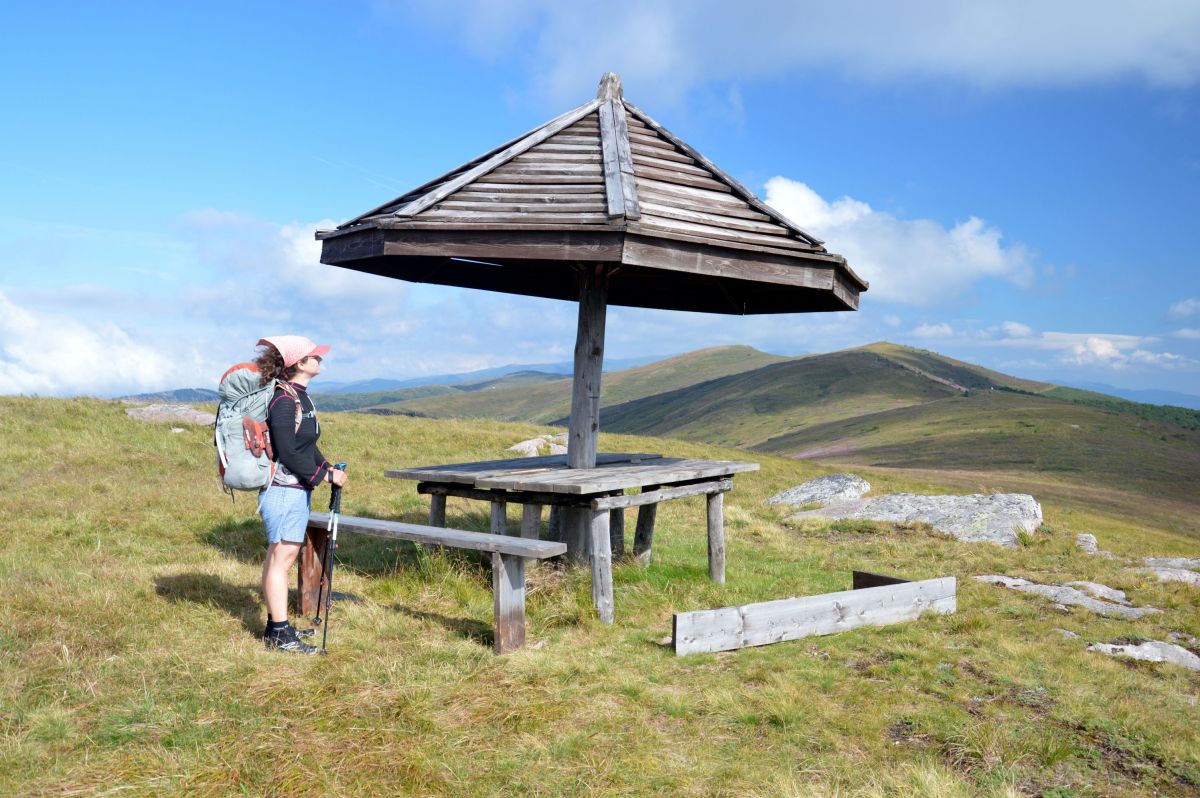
[287, 640]
[299, 632]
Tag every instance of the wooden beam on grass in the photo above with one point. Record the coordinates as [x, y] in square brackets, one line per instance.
[759, 624]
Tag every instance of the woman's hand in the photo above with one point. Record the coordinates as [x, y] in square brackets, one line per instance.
[337, 477]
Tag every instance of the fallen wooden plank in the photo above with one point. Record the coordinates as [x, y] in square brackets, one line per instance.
[759, 624]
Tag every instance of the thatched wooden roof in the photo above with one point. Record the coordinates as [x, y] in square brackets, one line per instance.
[601, 184]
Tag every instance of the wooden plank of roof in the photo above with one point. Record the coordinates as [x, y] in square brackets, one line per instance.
[543, 178]
[489, 242]
[673, 176]
[518, 207]
[612, 170]
[544, 188]
[625, 161]
[709, 217]
[690, 192]
[505, 197]
[549, 156]
[503, 156]
[648, 194]
[739, 263]
[662, 163]
[518, 218]
[667, 154]
[726, 234]
[745, 193]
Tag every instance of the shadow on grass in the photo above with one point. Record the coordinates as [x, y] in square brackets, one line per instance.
[466, 628]
[243, 602]
[245, 541]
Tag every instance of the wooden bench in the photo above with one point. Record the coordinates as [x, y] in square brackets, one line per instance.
[508, 564]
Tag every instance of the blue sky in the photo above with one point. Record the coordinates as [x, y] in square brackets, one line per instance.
[1019, 181]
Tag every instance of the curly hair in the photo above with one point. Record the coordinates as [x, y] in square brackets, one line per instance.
[270, 365]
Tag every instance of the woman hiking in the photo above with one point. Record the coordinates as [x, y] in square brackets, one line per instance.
[294, 361]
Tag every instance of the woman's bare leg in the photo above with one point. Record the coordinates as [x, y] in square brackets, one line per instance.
[280, 558]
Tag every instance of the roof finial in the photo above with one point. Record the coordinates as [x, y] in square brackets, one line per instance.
[610, 87]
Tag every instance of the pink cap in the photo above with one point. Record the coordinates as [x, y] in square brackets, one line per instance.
[294, 348]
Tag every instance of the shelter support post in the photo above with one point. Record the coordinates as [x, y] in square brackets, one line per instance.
[584, 426]
[499, 521]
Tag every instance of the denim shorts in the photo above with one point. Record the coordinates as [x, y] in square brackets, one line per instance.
[284, 513]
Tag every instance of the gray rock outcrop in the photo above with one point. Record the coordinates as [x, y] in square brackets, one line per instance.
[997, 518]
[1097, 590]
[541, 445]
[826, 489]
[1173, 562]
[1088, 545]
[1174, 575]
[1151, 651]
[180, 413]
[1061, 594]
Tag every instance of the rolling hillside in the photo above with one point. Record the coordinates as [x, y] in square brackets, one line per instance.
[551, 400]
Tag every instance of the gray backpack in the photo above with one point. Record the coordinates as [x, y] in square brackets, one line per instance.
[244, 456]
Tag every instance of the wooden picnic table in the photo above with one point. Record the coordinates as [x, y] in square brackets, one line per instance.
[599, 493]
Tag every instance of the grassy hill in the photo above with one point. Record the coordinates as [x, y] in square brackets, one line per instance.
[998, 431]
[130, 664]
[750, 407]
[551, 400]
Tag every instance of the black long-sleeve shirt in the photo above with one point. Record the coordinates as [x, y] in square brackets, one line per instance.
[301, 464]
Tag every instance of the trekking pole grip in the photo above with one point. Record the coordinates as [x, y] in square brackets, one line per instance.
[335, 495]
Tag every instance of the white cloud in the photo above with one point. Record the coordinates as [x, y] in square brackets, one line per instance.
[917, 261]
[933, 331]
[664, 49]
[1185, 307]
[49, 354]
[1189, 333]
[1014, 329]
[1106, 350]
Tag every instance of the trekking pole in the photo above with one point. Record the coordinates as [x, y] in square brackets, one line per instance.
[335, 510]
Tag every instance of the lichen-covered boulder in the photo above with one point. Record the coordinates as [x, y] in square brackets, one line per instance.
[1068, 596]
[823, 490]
[1151, 651]
[997, 518]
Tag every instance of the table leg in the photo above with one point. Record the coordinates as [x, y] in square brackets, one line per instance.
[531, 521]
[553, 527]
[643, 537]
[616, 532]
[716, 537]
[437, 510]
[499, 518]
[602, 586]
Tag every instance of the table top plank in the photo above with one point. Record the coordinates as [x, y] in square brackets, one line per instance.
[585, 481]
[469, 473]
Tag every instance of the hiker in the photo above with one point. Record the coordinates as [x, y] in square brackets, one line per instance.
[284, 505]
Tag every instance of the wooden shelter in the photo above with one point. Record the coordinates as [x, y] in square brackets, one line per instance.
[602, 205]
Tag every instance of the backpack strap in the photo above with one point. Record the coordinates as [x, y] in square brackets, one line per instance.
[287, 388]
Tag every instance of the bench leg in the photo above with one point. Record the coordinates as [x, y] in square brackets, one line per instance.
[643, 536]
[616, 532]
[531, 521]
[437, 510]
[716, 537]
[508, 602]
[602, 586]
[311, 570]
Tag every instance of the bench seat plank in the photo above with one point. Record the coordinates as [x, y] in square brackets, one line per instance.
[440, 536]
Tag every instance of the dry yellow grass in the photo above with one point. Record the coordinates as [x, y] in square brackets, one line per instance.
[130, 663]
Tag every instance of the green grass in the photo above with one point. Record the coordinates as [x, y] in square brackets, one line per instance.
[130, 664]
